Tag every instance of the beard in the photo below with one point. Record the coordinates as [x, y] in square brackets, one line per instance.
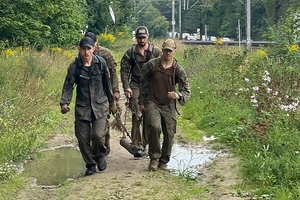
[142, 44]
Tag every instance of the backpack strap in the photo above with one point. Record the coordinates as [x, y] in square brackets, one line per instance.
[148, 55]
[78, 75]
[133, 61]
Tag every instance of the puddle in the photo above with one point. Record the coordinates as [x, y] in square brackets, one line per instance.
[54, 166]
[186, 160]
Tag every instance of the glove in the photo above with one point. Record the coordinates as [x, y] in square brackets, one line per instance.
[113, 109]
[64, 109]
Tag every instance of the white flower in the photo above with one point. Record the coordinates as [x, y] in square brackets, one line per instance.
[255, 88]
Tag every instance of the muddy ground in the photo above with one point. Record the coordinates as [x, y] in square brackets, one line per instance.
[128, 179]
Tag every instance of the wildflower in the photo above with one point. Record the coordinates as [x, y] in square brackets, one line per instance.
[255, 88]
[266, 78]
[9, 52]
[292, 48]
[269, 90]
[120, 33]
[266, 73]
[262, 53]
[67, 54]
[247, 80]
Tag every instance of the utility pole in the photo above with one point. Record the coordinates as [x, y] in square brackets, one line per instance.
[179, 23]
[173, 18]
[248, 10]
[239, 32]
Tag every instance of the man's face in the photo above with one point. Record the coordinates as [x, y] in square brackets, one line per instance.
[142, 41]
[168, 54]
[86, 53]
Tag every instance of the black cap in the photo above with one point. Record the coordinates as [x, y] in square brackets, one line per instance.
[142, 31]
[91, 35]
[86, 42]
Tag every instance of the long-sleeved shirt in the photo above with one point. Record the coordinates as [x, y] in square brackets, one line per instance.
[93, 92]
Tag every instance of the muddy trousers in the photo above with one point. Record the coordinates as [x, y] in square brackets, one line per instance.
[91, 139]
[160, 119]
[137, 132]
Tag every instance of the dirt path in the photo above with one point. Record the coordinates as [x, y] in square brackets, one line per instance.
[128, 179]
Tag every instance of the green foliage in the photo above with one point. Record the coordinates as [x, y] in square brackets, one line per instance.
[152, 19]
[41, 23]
[30, 89]
[250, 101]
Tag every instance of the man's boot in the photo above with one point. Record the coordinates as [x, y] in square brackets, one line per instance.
[152, 165]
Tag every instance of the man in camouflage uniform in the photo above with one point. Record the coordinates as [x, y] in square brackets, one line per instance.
[131, 64]
[94, 102]
[106, 54]
[157, 101]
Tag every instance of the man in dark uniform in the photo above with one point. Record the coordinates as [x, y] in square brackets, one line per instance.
[106, 54]
[94, 101]
[157, 101]
[131, 64]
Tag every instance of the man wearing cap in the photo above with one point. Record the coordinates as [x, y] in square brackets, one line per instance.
[131, 64]
[94, 101]
[106, 54]
[157, 100]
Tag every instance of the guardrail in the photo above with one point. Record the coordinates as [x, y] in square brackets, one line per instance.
[229, 43]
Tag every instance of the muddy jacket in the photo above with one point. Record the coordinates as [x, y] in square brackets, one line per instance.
[179, 77]
[93, 96]
[106, 54]
[129, 70]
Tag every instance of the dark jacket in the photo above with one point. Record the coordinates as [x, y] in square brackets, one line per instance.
[93, 96]
[180, 79]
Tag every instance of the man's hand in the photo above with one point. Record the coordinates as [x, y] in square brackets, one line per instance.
[113, 109]
[64, 109]
[142, 108]
[117, 96]
[128, 93]
[173, 95]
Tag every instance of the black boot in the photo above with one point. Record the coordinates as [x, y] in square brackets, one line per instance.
[90, 170]
[102, 164]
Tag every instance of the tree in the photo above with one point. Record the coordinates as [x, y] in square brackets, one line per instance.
[41, 23]
[154, 21]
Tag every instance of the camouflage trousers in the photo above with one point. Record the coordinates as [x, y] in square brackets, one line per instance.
[160, 119]
[137, 121]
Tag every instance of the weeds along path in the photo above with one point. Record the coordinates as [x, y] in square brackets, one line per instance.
[129, 179]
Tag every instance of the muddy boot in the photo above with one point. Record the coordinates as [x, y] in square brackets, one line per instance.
[90, 170]
[153, 165]
[163, 166]
[102, 164]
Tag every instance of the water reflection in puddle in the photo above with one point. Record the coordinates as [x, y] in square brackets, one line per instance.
[54, 166]
[186, 160]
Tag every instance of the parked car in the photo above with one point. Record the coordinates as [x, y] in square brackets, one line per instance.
[213, 38]
[190, 37]
[225, 39]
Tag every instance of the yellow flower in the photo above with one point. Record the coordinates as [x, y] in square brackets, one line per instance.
[19, 49]
[108, 37]
[56, 49]
[292, 48]
[67, 54]
[9, 52]
[219, 41]
[262, 53]
[120, 33]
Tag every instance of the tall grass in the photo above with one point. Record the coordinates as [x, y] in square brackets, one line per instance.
[250, 101]
[30, 88]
